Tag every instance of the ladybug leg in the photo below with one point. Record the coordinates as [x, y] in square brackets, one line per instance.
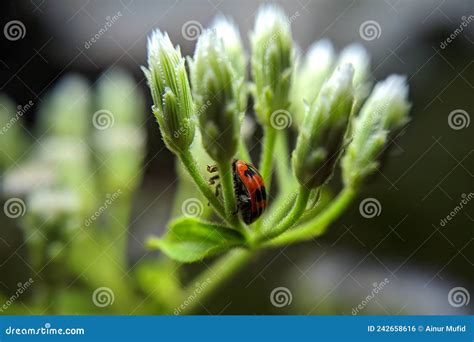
[213, 179]
[241, 199]
[211, 168]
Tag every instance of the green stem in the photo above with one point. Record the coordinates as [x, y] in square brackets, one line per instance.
[318, 225]
[244, 152]
[267, 155]
[211, 279]
[191, 166]
[293, 216]
[280, 208]
[230, 204]
[225, 174]
[282, 163]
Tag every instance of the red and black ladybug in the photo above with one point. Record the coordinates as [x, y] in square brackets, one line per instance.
[249, 189]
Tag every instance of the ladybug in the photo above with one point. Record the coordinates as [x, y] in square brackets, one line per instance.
[249, 189]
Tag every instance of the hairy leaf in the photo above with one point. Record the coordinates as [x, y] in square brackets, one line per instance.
[190, 240]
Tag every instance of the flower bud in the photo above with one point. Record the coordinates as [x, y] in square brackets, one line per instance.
[272, 61]
[315, 69]
[217, 90]
[169, 85]
[322, 134]
[227, 31]
[384, 113]
[358, 56]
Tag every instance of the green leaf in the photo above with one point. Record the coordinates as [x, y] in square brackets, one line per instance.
[190, 240]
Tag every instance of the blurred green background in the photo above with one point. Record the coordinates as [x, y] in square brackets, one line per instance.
[430, 167]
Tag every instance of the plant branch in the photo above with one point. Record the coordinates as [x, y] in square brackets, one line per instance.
[230, 204]
[225, 173]
[191, 166]
[282, 163]
[292, 218]
[267, 155]
[318, 225]
[243, 151]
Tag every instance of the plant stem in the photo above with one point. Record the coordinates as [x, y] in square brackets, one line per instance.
[190, 165]
[230, 204]
[318, 225]
[243, 151]
[282, 165]
[293, 216]
[225, 173]
[267, 155]
[214, 277]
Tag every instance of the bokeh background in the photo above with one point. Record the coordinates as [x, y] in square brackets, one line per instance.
[430, 168]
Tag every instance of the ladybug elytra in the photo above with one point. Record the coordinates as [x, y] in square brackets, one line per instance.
[249, 190]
